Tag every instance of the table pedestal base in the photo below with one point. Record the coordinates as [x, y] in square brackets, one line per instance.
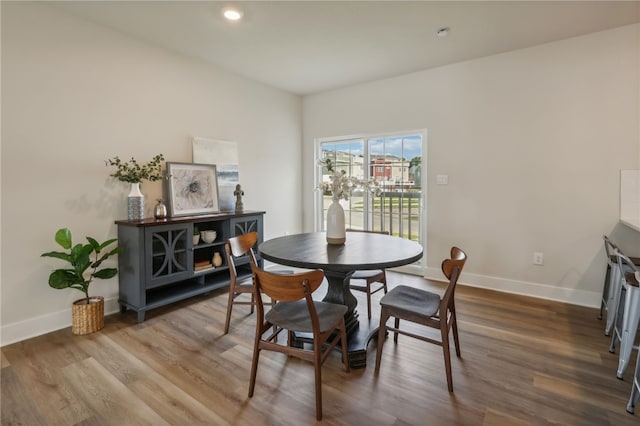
[359, 339]
[359, 330]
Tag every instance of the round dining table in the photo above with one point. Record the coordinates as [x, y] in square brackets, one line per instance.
[361, 251]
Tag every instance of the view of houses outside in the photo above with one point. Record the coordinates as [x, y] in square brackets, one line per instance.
[395, 163]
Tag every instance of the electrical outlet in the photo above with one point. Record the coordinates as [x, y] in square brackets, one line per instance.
[538, 258]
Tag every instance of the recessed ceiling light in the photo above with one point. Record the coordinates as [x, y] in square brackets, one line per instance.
[442, 32]
[232, 13]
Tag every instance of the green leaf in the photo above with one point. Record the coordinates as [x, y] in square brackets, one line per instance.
[62, 278]
[94, 244]
[80, 258]
[105, 256]
[105, 244]
[63, 238]
[106, 273]
[57, 255]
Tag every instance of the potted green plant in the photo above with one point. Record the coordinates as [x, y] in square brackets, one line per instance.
[134, 173]
[84, 265]
[196, 235]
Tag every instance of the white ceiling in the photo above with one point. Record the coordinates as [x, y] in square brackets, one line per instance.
[311, 46]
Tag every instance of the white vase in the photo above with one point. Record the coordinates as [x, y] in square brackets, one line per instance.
[336, 233]
[135, 200]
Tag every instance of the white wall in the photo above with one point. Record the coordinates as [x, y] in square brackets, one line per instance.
[532, 140]
[75, 94]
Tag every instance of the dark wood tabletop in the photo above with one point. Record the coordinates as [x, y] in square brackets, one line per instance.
[362, 250]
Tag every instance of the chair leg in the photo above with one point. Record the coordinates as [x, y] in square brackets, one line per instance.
[605, 291]
[635, 388]
[369, 299]
[396, 324]
[444, 331]
[382, 331]
[253, 302]
[617, 321]
[613, 298]
[318, 367]
[229, 308]
[630, 320]
[345, 346]
[254, 369]
[454, 327]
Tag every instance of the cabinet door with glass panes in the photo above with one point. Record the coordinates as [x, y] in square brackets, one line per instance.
[170, 257]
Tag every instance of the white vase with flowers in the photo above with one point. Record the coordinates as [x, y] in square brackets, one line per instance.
[133, 173]
[340, 186]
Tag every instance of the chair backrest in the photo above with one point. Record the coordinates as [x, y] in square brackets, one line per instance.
[452, 269]
[609, 247]
[287, 287]
[237, 247]
[626, 265]
[458, 254]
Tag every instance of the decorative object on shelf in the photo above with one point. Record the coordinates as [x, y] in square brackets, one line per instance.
[208, 236]
[160, 210]
[134, 173]
[135, 203]
[196, 235]
[340, 186]
[239, 193]
[217, 259]
[87, 313]
[193, 189]
[224, 154]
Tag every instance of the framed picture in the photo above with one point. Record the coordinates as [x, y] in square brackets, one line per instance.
[192, 189]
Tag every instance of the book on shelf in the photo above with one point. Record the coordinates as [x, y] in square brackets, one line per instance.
[203, 267]
[202, 263]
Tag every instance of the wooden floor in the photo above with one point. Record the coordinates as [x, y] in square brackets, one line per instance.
[524, 361]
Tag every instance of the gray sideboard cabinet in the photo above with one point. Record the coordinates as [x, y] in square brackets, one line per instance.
[157, 259]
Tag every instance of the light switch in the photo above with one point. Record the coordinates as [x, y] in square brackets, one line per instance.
[442, 179]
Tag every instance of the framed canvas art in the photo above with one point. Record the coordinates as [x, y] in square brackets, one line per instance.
[224, 154]
[192, 189]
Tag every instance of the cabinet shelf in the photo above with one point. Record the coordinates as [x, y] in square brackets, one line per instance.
[212, 269]
[202, 245]
[157, 258]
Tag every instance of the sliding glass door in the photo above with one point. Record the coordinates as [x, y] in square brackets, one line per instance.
[395, 162]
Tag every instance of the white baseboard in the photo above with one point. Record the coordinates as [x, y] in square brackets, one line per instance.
[589, 299]
[37, 326]
[32, 327]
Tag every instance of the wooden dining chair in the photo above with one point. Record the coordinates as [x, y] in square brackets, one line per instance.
[375, 280]
[296, 311]
[425, 308]
[239, 247]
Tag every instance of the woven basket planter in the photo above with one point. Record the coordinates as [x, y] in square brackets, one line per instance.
[87, 317]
